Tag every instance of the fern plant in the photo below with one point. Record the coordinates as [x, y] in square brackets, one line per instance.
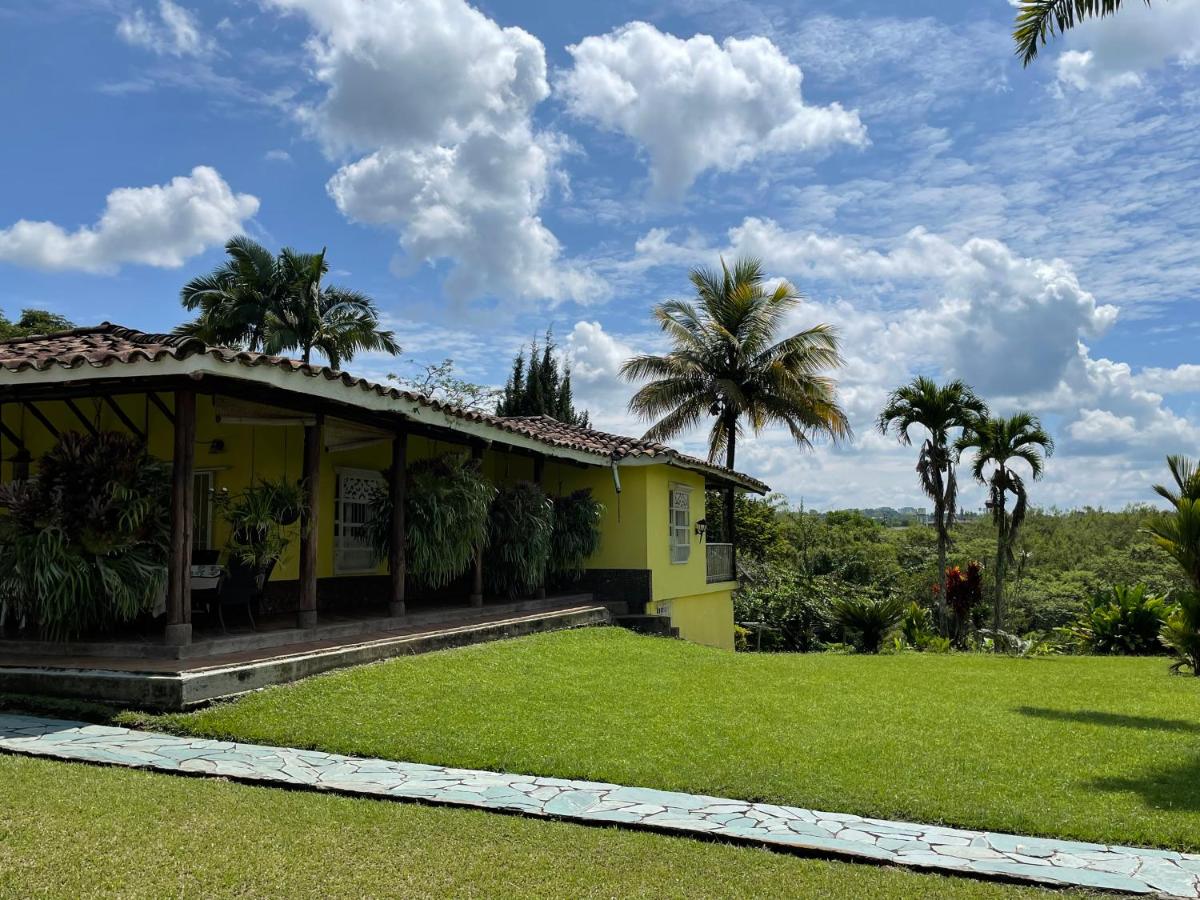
[1181, 633]
[85, 544]
[576, 534]
[520, 531]
[446, 518]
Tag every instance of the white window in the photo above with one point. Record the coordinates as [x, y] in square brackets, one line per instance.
[203, 484]
[356, 491]
[681, 523]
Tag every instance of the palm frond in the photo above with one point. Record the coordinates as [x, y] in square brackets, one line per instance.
[1037, 20]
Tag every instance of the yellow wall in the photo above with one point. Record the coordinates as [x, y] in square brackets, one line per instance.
[703, 618]
[634, 525]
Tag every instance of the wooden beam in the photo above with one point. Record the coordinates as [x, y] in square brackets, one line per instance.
[125, 420]
[310, 524]
[398, 562]
[539, 476]
[179, 569]
[83, 420]
[12, 436]
[477, 575]
[40, 416]
[156, 401]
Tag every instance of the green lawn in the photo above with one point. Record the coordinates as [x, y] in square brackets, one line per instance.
[1090, 748]
[69, 830]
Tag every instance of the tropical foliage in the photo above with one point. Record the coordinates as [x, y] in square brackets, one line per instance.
[446, 518]
[258, 517]
[868, 621]
[728, 363]
[576, 534]
[32, 321]
[1178, 533]
[440, 382]
[280, 304]
[1125, 620]
[541, 386]
[944, 412]
[1038, 19]
[520, 530]
[84, 545]
[998, 443]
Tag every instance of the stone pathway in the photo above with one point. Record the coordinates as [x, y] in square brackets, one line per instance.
[1037, 860]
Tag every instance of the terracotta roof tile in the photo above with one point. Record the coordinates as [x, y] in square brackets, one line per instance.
[107, 344]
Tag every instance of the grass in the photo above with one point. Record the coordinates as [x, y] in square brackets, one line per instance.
[69, 830]
[1090, 748]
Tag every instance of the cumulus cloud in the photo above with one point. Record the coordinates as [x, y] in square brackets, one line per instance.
[439, 100]
[172, 31]
[695, 105]
[160, 225]
[1110, 54]
[1014, 327]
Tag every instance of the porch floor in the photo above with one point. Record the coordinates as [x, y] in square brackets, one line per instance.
[222, 665]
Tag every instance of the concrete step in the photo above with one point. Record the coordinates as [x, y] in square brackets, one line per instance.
[646, 624]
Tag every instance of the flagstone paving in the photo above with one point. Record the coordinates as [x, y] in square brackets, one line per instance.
[1038, 860]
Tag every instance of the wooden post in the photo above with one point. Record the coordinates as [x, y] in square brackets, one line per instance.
[398, 564]
[179, 566]
[310, 523]
[730, 499]
[539, 476]
[477, 580]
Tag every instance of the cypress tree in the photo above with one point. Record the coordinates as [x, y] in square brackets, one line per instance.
[541, 386]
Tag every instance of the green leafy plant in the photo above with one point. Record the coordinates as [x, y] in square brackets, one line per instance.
[1126, 620]
[916, 626]
[869, 620]
[446, 518]
[786, 610]
[85, 543]
[257, 517]
[576, 534]
[520, 529]
[1181, 632]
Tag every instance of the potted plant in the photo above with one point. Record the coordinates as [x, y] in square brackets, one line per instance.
[576, 534]
[520, 526]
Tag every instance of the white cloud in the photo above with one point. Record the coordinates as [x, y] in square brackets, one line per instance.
[160, 225]
[696, 105]
[1113, 53]
[277, 155]
[174, 31]
[439, 99]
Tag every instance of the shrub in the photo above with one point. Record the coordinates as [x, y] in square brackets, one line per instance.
[1181, 632]
[1125, 621]
[916, 626]
[790, 610]
[520, 526]
[576, 534]
[85, 543]
[869, 620]
[446, 518]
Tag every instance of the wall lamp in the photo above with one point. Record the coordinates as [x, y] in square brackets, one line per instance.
[701, 528]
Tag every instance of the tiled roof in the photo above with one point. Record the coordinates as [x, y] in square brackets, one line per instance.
[107, 344]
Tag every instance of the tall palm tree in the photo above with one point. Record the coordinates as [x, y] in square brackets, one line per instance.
[940, 411]
[998, 443]
[1036, 19]
[727, 363]
[1179, 535]
[238, 298]
[335, 321]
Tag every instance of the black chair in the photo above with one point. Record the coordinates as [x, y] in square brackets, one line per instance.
[206, 557]
[205, 601]
[243, 587]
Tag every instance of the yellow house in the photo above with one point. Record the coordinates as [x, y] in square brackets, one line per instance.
[228, 418]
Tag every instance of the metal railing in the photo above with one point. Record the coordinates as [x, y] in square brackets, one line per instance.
[720, 562]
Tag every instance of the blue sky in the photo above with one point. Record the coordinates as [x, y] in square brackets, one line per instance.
[487, 171]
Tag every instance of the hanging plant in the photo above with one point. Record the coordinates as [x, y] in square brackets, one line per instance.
[520, 529]
[257, 516]
[576, 534]
[446, 516]
[85, 543]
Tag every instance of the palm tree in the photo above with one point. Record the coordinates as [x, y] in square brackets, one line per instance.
[1038, 18]
[1179, 535]
[939, 410]
[726, 363]
[335, 321]
[998, 443]
[238, 298]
